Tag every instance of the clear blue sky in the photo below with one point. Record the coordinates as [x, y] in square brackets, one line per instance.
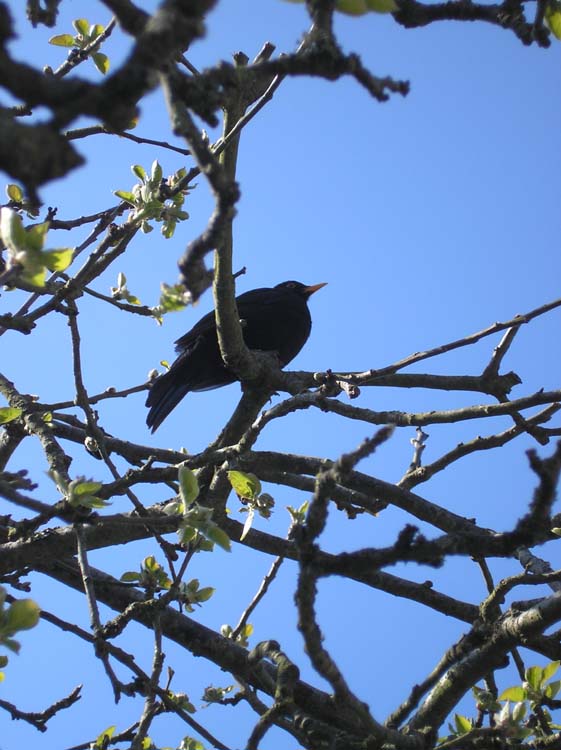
[430, 217]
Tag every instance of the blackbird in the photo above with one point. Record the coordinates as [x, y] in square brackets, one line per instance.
[274, 320]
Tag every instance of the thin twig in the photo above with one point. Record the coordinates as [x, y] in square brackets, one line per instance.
[499, 352]
[100, 650]
[78, 133]
[150, 706]
[39, 719]
[77, 56]
[94, 430]
[261, 591]
[518, 320]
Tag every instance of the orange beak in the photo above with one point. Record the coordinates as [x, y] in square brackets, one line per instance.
[311, 289]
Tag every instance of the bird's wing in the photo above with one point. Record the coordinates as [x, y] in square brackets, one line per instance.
[208, 322]
[204, 326]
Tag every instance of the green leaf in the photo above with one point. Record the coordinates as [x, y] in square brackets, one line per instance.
[550, 670]
[22, 615]
[534, 675]
[246, 485]
[181, 700]
[173, 509]
[80, 492]
[198, 517]
[187, 534]
[125, 195]
[463, 724]
[352, 7]
[188, 485]
[139, 172]
[34, 274]
[298, 515]
[58, 260]
[168, 229]
[9, 413]
[519, 712]
[247, 524]
[82, 26]
[553, 17]
[219, 537]
[86, 488]
[172, 298]
[156, 172]
[382, 6]
[11, 230]
[205, 593]
[516, 693]
[245, 634]
[552, 689]
[101, 739]
[92, 501]
[14, 192]
[36, 235]
[101, 62]
[62, 40]
[150, 564]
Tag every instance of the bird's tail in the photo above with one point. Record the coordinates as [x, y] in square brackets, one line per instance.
[165, 393]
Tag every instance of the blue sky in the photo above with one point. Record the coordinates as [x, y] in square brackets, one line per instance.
[430, 217]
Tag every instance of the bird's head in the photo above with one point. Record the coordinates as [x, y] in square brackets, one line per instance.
[301, 289]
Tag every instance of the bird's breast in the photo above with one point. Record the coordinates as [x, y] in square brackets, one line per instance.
[279, 327]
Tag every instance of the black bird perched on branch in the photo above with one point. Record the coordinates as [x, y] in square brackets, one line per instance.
[274, 320]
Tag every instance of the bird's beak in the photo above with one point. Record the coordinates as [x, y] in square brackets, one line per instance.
[309, 290]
